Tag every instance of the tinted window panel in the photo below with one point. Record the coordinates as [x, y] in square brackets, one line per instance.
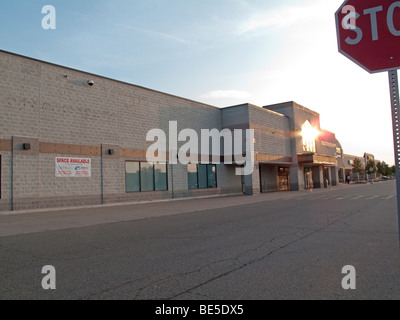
[203, 176]
[147, 176]
[160, 171]
[192, 176]
[212, 177]
[132, 176]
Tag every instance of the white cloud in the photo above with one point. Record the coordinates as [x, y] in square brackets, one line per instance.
[157, 34]
[282, 18]
[226, 94]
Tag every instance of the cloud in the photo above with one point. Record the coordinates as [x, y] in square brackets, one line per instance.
[161, 35]
[226, 94]
[281, 18]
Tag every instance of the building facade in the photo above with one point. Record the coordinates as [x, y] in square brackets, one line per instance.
[347, 168]
[70, 138]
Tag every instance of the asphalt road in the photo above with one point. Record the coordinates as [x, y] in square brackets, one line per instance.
[281, 249]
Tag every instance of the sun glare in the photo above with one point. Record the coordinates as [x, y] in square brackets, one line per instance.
[309, 134]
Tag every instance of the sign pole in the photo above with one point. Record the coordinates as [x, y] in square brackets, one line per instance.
[394, 96]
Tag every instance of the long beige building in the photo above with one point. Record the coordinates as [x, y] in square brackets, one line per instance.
[70, 138]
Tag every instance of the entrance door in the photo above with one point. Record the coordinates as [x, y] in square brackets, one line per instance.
[326, 177]
[308, 181]
[283, 179]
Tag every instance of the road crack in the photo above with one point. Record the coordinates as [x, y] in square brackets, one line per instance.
[224, 274]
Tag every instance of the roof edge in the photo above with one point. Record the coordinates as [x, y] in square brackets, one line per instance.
[106, 78]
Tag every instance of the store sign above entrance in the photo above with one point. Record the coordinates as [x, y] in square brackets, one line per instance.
[314, 159]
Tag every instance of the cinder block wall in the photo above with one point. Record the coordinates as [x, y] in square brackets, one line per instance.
[269, 178]
[6, 176]
[55, 109]
[228, 180]
[272, 132]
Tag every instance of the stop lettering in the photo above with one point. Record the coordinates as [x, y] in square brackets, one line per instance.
[369, 33]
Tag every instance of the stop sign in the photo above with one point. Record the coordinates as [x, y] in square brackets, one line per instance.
[369, 33]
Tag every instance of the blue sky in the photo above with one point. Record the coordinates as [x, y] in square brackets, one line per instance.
[221, 52]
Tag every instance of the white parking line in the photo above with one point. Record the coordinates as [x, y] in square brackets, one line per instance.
[300, 198]
[343, 197]
[317, 198]
[371, 198]
[356, 198]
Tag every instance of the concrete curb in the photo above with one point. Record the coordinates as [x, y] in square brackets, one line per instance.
[33, 221]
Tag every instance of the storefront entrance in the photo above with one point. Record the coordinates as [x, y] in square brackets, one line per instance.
[283, 179]
[308, 180]
[326, 177]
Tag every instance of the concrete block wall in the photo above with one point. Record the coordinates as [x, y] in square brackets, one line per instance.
[55, 110]
[236, 117]
[50, 104]
[269, 178]
[227, 178]
[334, 172]
[297, 115]
[19, 97]
[347, 158]
[327, 144]
[25, 173]
[272, 132]
[296, 174]
[113, 173]
[326, 148]
[318, 177]
[6, 178]
[39, 101]
[256, 183]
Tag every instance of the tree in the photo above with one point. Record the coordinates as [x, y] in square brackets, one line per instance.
[384, 169]
[370, 168]
[357, 166]
[381, 168]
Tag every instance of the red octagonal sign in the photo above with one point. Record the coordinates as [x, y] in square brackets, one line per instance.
[369, 33]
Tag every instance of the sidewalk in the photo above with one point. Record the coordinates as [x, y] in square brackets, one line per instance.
[32, 221]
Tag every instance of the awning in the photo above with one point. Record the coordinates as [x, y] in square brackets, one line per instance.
[316, 159]
[273, 159]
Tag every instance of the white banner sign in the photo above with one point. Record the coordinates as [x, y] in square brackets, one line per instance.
[73, 167]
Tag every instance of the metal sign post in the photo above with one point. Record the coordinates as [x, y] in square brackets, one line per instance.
[367, 32]
[394, 96]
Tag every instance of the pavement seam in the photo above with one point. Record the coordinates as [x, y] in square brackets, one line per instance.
[261, 258]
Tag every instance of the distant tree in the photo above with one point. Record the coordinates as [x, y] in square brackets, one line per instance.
[357, 166]
[384, 169]
[388, 170]
[381, 168]
[393, 169]
[370, 168]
